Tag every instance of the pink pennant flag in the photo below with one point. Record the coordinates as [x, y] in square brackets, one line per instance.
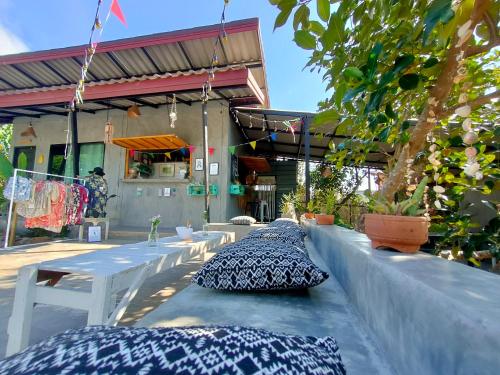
[117, 11]
[192, 149]
[211, 151]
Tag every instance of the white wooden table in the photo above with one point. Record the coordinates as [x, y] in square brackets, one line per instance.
[112, 271]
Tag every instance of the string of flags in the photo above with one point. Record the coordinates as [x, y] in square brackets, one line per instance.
[253, 144]
[94, 40]
[182, 150]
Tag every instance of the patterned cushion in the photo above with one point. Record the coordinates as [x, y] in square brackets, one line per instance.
[242, 220]
[186, 350]
[288, 224]
[259, 265]
[281, 234]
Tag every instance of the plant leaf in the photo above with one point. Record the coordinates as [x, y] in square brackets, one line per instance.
[438, 10]
[354, 73]
[351, 93]
[316, 28]
[304, 39]
[282, 17]
[409, 81]
[334, 33]
[323, 7]
[430, 62]
[403, 62]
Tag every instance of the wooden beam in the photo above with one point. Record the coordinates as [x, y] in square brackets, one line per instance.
[18, 114]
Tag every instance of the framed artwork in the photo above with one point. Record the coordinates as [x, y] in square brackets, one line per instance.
[214, 169]
[167, 170]
[166, 192]
[198, 164]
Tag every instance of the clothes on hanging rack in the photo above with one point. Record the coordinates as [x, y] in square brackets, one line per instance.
[22, 191]
[52, 205]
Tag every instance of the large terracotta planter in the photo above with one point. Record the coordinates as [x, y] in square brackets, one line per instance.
[309, 215]
[402, 233]
[322, 219]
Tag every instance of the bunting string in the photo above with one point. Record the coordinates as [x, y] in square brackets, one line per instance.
[207, 85]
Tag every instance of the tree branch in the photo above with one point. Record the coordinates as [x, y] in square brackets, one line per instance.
[494, 39]
[478, 102]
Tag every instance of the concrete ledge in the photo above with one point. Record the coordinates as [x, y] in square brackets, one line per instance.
[240, 231]
[429, 315]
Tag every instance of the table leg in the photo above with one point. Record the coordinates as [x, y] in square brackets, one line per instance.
[107, 230]
[100, 301]
[80, 232]
[22, 311]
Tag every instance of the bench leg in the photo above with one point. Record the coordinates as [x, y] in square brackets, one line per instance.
[22, 311]
[100, 301]
[106, 235]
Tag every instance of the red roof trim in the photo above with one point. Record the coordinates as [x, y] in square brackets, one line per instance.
[225, 79]
[251, 24]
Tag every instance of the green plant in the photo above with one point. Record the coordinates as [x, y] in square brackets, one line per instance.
[408, 207]
[143, 169]
[327, 201]
[287, 204]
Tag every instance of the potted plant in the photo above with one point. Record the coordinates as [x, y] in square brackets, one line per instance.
[400, 226]
[327, 200]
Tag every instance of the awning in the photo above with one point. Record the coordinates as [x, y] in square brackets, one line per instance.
[151, 142]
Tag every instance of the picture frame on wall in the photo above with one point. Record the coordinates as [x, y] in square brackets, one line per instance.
[167, 170]
[214, 169]
[198, 164]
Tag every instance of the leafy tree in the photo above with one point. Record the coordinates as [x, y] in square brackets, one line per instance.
[401, 70]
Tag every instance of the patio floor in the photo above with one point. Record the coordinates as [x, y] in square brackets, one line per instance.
[49, 320]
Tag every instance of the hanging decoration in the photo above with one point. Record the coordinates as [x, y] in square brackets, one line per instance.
[192, 149]
[108, 130]
[108, 133]
[173, 112]
[117, 11]
[133, 111]
[41, 159]
[29, 132]
[232, 150]
[207, 85]
[253, 144]
[290, 126]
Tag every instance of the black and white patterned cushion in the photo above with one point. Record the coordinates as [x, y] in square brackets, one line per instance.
[259, 265]
[288, 224]
[242, 220]
[183, 350]
[281, 234]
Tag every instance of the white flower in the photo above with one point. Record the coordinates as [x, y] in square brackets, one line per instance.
[479, 175]
[463, 111]
[439, 189]
[437, 203]
[463, 98]
[470, 152]
[470, 138]
[471, 169]
[467, 124]
[436, 176]
[432, 147]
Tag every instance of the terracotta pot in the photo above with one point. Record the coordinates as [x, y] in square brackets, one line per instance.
[309, 215]
[322, 219]
[402, 233]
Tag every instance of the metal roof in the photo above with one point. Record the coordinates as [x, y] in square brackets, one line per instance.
[160, 56]
[288, 144]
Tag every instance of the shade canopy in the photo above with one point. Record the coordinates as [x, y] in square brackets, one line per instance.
[151, 142]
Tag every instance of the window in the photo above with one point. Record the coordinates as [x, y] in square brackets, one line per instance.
[30, 157]
[91, 156]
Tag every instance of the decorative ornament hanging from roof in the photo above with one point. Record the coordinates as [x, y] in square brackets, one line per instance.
[173, 112]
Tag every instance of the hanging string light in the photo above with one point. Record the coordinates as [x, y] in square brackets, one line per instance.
[108, 130]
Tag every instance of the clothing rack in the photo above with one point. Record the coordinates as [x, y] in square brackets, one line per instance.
[13, 194]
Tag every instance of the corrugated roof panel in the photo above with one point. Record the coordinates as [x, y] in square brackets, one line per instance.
[104, 67]
[42, 73]
[242, 47]
[200, 52]
[135, 61]
[169, 57]
[67, 67]
[13, 76]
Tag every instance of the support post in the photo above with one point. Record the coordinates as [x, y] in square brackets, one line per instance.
[8, 230]
[76, 147]
[307, 150]
[205, 159]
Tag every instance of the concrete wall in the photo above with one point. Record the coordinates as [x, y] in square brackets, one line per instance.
[429, 315]
[129, 209]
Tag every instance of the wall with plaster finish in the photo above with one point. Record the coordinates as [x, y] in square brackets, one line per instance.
[129, 209]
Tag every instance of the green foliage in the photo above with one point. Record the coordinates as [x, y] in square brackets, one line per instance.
[408, 207]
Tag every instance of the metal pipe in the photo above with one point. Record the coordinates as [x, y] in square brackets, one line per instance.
[76, 146]
[12, 194]
[205, 159]
[307, 145]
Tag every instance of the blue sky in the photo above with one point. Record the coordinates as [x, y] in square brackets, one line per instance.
[44, 24]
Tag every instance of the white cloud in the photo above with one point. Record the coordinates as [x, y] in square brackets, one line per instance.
[10, 43]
